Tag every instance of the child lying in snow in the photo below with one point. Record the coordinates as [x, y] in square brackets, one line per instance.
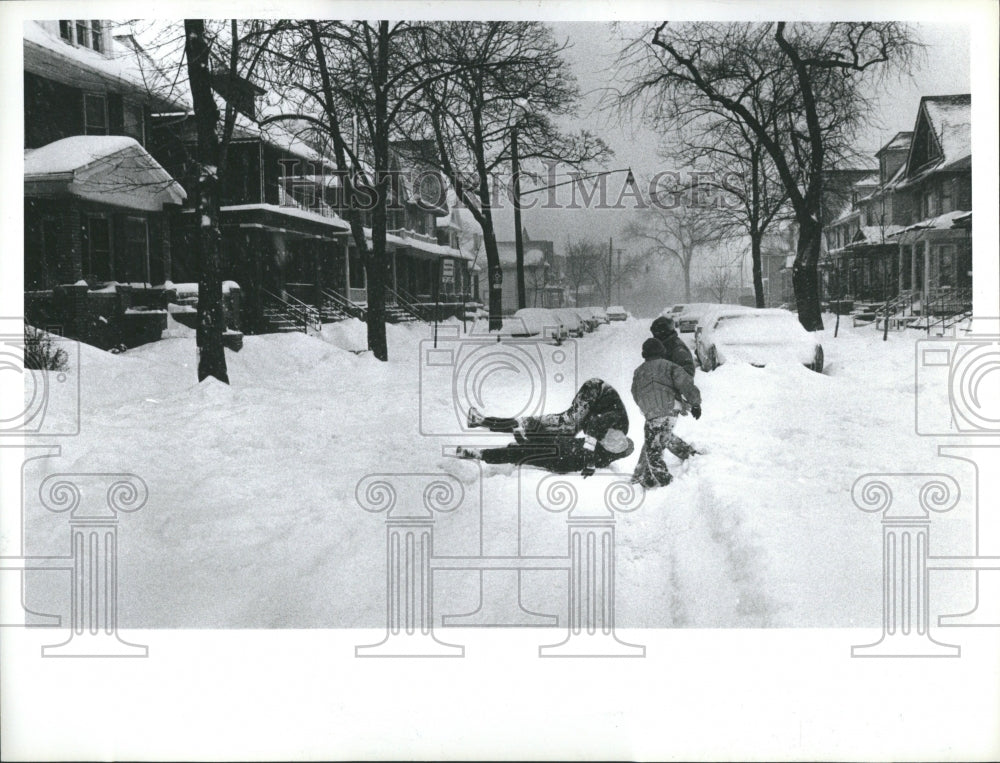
[550, 441]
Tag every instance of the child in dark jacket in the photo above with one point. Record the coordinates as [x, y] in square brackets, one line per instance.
[677, 352]
[657, 385]
[551, 441]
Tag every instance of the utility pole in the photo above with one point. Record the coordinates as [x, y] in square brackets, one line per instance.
[610, 250]
[522, 300]
[619, 276]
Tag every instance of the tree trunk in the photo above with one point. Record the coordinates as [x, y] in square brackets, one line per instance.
[758, 276]
[377, 266]
[686, 267]
[495, 275]
[522, 300]
[805, 273]
[211, 316]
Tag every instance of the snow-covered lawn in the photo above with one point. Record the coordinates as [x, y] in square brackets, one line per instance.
[252, 520]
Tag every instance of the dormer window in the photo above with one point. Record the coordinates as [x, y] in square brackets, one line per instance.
[87, 33]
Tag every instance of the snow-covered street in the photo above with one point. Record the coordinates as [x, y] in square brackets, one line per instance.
[252, 520]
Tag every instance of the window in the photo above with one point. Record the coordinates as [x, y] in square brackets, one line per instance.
[930, 203]
[357, 271]
[136, 250]
[97, 249]
[946, 265]
[96, 36]
[89, 33]
[133, 123]
[947, 196]
[95, 114]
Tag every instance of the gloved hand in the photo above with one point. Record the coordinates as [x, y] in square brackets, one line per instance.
[587, 471]
[696, 411]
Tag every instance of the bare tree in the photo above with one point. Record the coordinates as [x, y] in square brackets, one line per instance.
[352, 83]
[199, 60]
[679, 232]
[501, 77]
[211, 315]
[737, 168]
[815, 75]
[722, 277]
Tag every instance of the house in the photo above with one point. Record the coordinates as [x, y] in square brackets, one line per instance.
[935, 244]
[543, 274]
[907, 235]
[97, 205]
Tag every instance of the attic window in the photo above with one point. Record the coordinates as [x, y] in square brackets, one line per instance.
[89, 33]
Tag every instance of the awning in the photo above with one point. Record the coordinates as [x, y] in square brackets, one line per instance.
[108, 169]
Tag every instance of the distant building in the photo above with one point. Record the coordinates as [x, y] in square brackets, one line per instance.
[908, 235]
[543, 274]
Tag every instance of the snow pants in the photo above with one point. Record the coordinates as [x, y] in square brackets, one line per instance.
[651, 470]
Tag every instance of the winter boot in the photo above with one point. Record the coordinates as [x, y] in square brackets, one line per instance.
[475, 419]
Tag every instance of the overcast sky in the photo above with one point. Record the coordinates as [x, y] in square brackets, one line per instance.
[942, 69]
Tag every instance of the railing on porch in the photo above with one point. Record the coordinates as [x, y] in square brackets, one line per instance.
[286, 313]
[334, 303]
[407, 304]
[947, 308]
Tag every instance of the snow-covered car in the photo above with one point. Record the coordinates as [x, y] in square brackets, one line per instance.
[739, 334]
[598, 314]
[535, 321]
[570, 319]
[674, 312]
[586, 318]
[687, 319]
[616, 313]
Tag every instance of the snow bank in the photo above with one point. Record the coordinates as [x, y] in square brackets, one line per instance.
[253, 520]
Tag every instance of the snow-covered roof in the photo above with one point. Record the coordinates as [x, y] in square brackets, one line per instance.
[110, 169]
[533, 256]
[951, 119]
[871, 179]
[403, 239]
[119, 69]
[333, 221]
[900, 141]
[941, 222]
[72, 153]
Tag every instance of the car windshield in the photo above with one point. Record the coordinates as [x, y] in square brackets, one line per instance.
[752, 328]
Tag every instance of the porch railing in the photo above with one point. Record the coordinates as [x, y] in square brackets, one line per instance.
[285, 311]
[342, 304]
[407, 303]
[947, 308]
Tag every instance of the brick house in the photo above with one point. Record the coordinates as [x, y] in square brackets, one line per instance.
[97, 205]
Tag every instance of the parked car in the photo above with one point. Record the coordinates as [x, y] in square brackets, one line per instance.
[590, 323]
[674, 312]
[687, 319]
[616, 313]
[538, 321]
[529, 322]
[598, 314]
[736, 334]
[570, 319]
